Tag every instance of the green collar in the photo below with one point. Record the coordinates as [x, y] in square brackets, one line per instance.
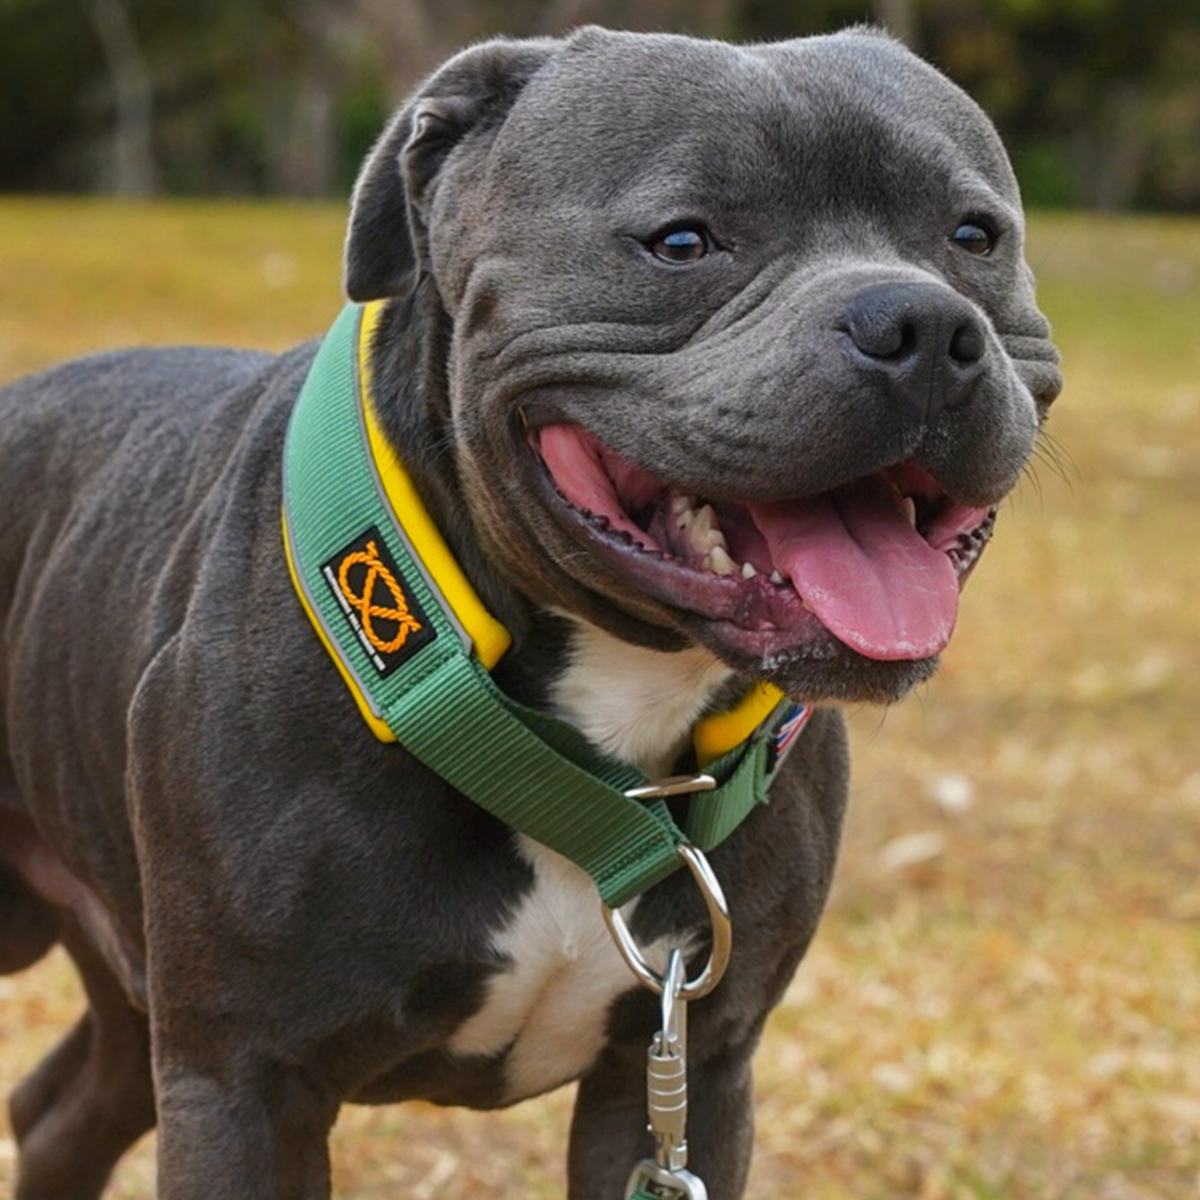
[414, 644]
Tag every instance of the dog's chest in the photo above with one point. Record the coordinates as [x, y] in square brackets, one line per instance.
[547, 1010]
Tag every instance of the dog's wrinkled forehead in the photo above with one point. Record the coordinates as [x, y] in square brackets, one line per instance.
[797, 145]
[853, 116]
[806, 137]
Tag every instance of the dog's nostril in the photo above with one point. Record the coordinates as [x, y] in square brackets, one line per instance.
[922, 341]
[880, 335]
[903, 343]
[901, 322]
[967, 345]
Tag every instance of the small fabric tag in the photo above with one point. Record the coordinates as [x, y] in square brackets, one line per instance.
[786, 734]
[377, 602]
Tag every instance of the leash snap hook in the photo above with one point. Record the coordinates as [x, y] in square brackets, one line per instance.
[649, 1179]
[666, 1177]
[722, 934]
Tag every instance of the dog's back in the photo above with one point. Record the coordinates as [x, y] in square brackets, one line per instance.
[109, 462]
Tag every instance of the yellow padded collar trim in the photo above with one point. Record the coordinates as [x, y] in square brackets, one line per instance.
[490, 637]
[716, 735]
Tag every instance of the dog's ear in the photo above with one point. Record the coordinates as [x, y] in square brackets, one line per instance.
[472, 92]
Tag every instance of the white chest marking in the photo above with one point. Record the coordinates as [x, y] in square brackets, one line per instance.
[635, 704]
[550, 1008]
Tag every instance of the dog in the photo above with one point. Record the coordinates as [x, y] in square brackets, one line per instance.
[711, 365]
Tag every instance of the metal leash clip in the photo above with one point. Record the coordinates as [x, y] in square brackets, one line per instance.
[666, 1175]
[649, 1179]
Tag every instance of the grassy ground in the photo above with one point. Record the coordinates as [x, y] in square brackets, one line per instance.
[1002, 1002]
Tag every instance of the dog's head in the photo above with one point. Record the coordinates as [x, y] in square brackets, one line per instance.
[741, 347]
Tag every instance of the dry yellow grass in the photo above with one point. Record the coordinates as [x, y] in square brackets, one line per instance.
[1004, 1000]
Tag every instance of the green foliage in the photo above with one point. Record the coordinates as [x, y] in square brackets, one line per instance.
[1045, 178]
[364, 112]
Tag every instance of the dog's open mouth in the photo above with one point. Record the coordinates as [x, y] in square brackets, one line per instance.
[876, 563]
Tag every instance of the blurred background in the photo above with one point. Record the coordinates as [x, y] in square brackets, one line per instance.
[1003, 1002]
[1099, 100]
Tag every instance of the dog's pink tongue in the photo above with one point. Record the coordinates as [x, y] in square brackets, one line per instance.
[870, 577]
[595, 478]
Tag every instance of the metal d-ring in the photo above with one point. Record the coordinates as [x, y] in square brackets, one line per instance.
[722, 933]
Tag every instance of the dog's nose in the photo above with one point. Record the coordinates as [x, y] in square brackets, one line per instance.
[926, 340]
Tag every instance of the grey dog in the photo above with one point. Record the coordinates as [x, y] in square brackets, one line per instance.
[636, 284]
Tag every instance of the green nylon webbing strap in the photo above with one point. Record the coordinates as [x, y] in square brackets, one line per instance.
[536, 774]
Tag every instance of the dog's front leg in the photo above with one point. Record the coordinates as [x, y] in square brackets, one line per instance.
[239, 1126]
[609, 1135]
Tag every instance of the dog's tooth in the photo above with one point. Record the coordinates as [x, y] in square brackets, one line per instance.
[910, 509]
[704, 521]
[749, 570]
[776, 577]
[698, 530]
[721, 562]
[684, 518]
[706, 563]
[704, 532]
[681, 503]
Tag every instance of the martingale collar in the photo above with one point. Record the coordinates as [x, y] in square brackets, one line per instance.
[414, 644]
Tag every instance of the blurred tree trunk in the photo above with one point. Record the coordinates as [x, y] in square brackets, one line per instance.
[415, 36]
[305, 162]
[1109, 153]
[304, 154]
[132, 162]
[899, 17]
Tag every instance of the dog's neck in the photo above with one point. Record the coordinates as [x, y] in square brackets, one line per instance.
[631, 702]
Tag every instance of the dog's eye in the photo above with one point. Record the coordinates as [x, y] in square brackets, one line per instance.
[974, 238]
[681, 245]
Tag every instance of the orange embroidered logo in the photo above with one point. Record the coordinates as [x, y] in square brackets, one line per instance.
[377, 602]
[364, 600]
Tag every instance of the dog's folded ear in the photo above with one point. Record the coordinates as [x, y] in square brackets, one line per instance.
[471, 93]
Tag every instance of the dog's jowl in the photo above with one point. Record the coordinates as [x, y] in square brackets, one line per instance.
[677, 393]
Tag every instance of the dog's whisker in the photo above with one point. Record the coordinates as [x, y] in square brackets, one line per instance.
[1030, 475]
[1051, 450]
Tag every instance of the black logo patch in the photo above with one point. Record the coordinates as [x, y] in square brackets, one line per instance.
[377, 601]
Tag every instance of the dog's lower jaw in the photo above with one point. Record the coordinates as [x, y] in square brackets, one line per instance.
[823, 672]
